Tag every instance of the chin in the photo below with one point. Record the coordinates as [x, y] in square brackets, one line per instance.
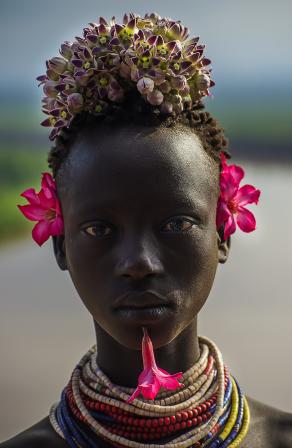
[130, 336]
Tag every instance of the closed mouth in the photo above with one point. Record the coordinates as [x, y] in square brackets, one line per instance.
[145, 315]
[141, 300]
[144, 307]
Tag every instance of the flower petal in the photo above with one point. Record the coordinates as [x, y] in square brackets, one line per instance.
[134, 395]
[245, 220]
[228, 186]
[150, 390]
[236, 172]
[247, 195]
[223, 213]
[47, 200]
[168, 381]
[31, 195]
[230, 227]
[152, 378]
[48, 181]
[57, 226]
[46, 122]
[40, 232]
[148, 355]
[32, 212]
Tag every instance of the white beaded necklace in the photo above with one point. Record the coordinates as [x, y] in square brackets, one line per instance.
[196, 390]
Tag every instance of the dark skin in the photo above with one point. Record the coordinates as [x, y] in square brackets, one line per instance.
[139, 208]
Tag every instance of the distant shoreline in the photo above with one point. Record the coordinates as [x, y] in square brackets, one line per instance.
[254, 149]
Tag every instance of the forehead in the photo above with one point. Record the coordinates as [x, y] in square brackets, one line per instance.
[142, 165]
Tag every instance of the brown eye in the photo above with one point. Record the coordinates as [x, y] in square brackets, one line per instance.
[178, 225]
[98, 230]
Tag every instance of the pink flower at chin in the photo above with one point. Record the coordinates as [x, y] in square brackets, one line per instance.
[152, 378]
[231, 204]
[45, 208]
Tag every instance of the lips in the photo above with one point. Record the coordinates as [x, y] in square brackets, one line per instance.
[141, 300]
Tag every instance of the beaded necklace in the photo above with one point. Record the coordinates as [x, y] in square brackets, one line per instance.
[210, 411]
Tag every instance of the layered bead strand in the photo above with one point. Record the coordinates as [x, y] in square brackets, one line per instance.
[210, 411]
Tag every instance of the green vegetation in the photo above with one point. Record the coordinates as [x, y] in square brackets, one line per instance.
[259, 118]
[20, 117]
[19, 170]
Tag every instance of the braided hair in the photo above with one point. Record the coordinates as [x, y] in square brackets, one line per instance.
[137, 112]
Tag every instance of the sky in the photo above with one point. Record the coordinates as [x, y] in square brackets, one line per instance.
[248, 41]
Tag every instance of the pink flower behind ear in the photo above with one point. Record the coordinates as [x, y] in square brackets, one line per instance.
[152, 378]
[230, 208]
[45, 208]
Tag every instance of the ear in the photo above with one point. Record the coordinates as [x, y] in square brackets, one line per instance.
[60, 252]
[223, 246]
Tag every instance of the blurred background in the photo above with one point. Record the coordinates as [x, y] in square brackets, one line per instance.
[44, 328]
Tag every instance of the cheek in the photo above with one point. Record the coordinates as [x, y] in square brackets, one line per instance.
[85, 269]
[198, 271]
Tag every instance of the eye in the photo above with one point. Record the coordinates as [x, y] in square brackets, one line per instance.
[179, 224]
[99, 230]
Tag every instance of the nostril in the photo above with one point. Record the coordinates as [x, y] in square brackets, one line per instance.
[139, 268]
[138, 273]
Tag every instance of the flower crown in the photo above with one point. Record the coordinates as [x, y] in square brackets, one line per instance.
[95, 73]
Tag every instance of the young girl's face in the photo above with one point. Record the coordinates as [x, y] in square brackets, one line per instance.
[141, 245]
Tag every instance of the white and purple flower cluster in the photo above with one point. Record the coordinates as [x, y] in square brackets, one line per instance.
[152, 54]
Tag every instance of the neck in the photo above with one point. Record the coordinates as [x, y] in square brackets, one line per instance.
[179, 355]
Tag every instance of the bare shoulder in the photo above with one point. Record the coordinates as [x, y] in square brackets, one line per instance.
[269, 427]
[39, 435]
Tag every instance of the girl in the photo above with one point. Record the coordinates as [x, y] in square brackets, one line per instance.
[141, 206]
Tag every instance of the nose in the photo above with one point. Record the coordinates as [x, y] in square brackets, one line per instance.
[138, 260]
